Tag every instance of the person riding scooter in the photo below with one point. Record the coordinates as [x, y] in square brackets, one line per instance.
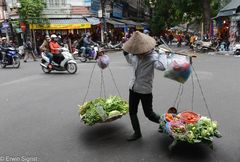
[87, 42]
[55, 50]
[46, 48]
[3, 47]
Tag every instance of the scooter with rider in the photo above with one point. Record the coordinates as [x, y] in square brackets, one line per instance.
[88, 51]
[60, 59]
[8, 54]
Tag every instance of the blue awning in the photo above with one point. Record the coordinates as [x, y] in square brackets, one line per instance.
[115, 23]
[93, 20]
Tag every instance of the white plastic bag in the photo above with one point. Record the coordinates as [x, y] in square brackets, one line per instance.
[103, 61]
[178, 68]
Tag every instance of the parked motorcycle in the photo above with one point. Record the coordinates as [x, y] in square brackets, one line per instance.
[11, 57]
[203, 46]
[222, 46]
[91, 53]
[109, 45]
[68, 64]
[236, 49]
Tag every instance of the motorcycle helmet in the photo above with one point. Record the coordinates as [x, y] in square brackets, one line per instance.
[53, 36]
[145, 31]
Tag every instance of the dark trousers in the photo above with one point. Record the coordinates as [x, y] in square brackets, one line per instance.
[146, 100]
[57, 58]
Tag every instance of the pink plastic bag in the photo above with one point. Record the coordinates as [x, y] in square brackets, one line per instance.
[103, 61]
[178, 68]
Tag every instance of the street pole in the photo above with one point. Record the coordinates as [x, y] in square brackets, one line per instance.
[102, 3]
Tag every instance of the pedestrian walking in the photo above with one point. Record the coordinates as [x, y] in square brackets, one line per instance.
[29, 50]
[138, 51]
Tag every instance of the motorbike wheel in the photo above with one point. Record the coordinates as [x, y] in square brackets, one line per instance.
[3, 65]
[71, 68]
[83, 59]
[45, 70]
[16, 62]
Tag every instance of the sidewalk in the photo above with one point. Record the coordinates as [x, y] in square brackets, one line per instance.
[186, 49]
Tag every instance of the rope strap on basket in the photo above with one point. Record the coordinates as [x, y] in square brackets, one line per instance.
[102, 86]
[177, 101]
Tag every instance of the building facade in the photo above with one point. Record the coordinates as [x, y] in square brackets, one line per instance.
[73, 17]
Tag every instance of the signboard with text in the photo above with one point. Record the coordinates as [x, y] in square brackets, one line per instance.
[117, 10]
[61, 26]
[95, 6]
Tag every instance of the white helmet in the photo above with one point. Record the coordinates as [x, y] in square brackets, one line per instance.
[53, 36]
[145, 31]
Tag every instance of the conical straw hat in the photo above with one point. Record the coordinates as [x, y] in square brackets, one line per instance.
[139, 43]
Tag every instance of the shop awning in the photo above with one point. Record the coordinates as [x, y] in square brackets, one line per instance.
[129, 23]
[115, 23]
[230, 9]
[93, 20]
[60, 24]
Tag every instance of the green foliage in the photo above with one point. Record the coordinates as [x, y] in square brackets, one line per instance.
[168, 13]
[100, 109]
[31, 11]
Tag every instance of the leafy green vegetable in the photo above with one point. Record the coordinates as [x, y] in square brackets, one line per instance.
[203, 130]
[114, 113]
[96, 110]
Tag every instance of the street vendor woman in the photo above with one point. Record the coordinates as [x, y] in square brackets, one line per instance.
[139, 52]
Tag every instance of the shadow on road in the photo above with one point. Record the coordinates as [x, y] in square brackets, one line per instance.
[103, 134]
[185, 151]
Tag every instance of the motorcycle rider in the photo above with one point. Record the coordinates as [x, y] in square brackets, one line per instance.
[87, 42]
[79, 44]
[46, 49]
[3, 47]
[55, 50]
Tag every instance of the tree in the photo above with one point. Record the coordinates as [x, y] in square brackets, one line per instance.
[206, 15]
[168, 13]
[31, 11]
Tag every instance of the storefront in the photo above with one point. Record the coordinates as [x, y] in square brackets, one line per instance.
[228, 23]
[68, 29]
[235, 28]
[115, 29]
[95, 28]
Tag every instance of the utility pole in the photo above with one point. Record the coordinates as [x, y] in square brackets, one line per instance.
[102, 3]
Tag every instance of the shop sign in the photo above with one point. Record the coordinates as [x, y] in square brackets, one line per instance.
[139, 27]
[87, 2]
[5, 24]
[60, 26]
[117, 10]
[23, 26]
[95, 6]
[18, 30]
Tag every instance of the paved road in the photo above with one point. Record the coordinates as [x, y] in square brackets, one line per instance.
[39, 115]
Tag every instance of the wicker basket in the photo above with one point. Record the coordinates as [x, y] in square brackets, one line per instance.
[112, 119]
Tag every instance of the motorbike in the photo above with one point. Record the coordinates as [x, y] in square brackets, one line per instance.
[11, 57]
[92, 53]
[222, 46]
[203, 46]
[236, 49]
[67, 64]
[109, 45]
